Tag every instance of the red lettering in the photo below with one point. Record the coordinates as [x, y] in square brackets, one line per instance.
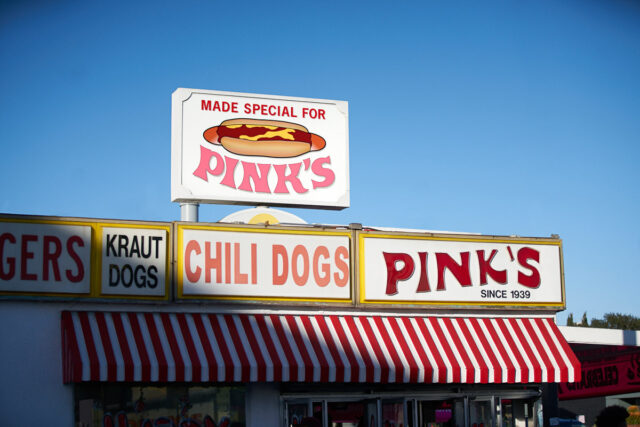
[51, 257]
[280, 252]
[204, 167]
[313, 113]
[260, 182]
[212, 262]
[292, 178]
[192, 275]
[205, 105]
[393, 274]
[11, 261]
[423, 283]
[79, 276]
[524, 255]
[25, 255]
[460, 271]
[223, 107]
[499, 276]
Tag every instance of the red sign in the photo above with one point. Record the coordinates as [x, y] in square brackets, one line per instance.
[605, 375]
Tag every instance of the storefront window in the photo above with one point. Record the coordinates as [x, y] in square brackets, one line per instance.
[507, 413]
[480, 413]
[440, 413]
[346, 414]
[393, 413]
[297, 412]
[317, 410]
[114, 405]
[521, 413]
[386, 411]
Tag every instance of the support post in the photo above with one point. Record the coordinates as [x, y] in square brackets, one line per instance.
[549, 402]
[189, 212]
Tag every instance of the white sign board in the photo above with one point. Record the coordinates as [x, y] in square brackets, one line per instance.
[270, 265]
[252, 149]
[134, 261]
[45, 258]
[460, 271]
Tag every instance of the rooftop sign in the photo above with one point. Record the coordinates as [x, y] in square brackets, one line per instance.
[250, 149]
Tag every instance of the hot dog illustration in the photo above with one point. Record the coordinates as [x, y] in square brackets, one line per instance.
[267, 138]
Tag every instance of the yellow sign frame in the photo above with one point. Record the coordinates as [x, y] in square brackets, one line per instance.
[309, 231]
[96, 255]
[362, 235]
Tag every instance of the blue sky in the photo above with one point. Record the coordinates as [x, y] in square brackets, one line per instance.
[492, 117]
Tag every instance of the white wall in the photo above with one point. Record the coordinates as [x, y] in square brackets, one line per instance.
[31, 387]
[599, 336]
[32, 392]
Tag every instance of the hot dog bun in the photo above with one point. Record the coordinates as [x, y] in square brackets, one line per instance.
[265, 148]
[266, 140]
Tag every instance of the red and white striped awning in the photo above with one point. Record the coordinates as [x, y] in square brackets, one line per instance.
[165, 347]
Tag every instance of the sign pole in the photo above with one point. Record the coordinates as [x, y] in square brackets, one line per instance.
[189, 212]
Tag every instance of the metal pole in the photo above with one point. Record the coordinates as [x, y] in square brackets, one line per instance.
[189, 212]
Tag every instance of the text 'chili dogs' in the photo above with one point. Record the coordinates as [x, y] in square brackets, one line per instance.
[268, 138]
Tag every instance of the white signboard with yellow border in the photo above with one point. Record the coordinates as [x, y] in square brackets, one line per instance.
[134, 261]
[460, 270]
[44, 257]
[62, 257]
[237, 148]
[253, 263]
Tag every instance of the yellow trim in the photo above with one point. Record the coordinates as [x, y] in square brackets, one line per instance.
[253, 298]
[460, 303]
[167, 262]
[263, 230]
[180, 263]
[481, 239]
[361, 268]
[95, 257]
[178, 257]
[36, 294]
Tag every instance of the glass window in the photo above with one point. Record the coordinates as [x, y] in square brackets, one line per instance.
[521, 412]
[392, 413]
[317, 410]
[115, 405]
[440, 413]
[346, 414]
[480, 414]
[296, 412]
